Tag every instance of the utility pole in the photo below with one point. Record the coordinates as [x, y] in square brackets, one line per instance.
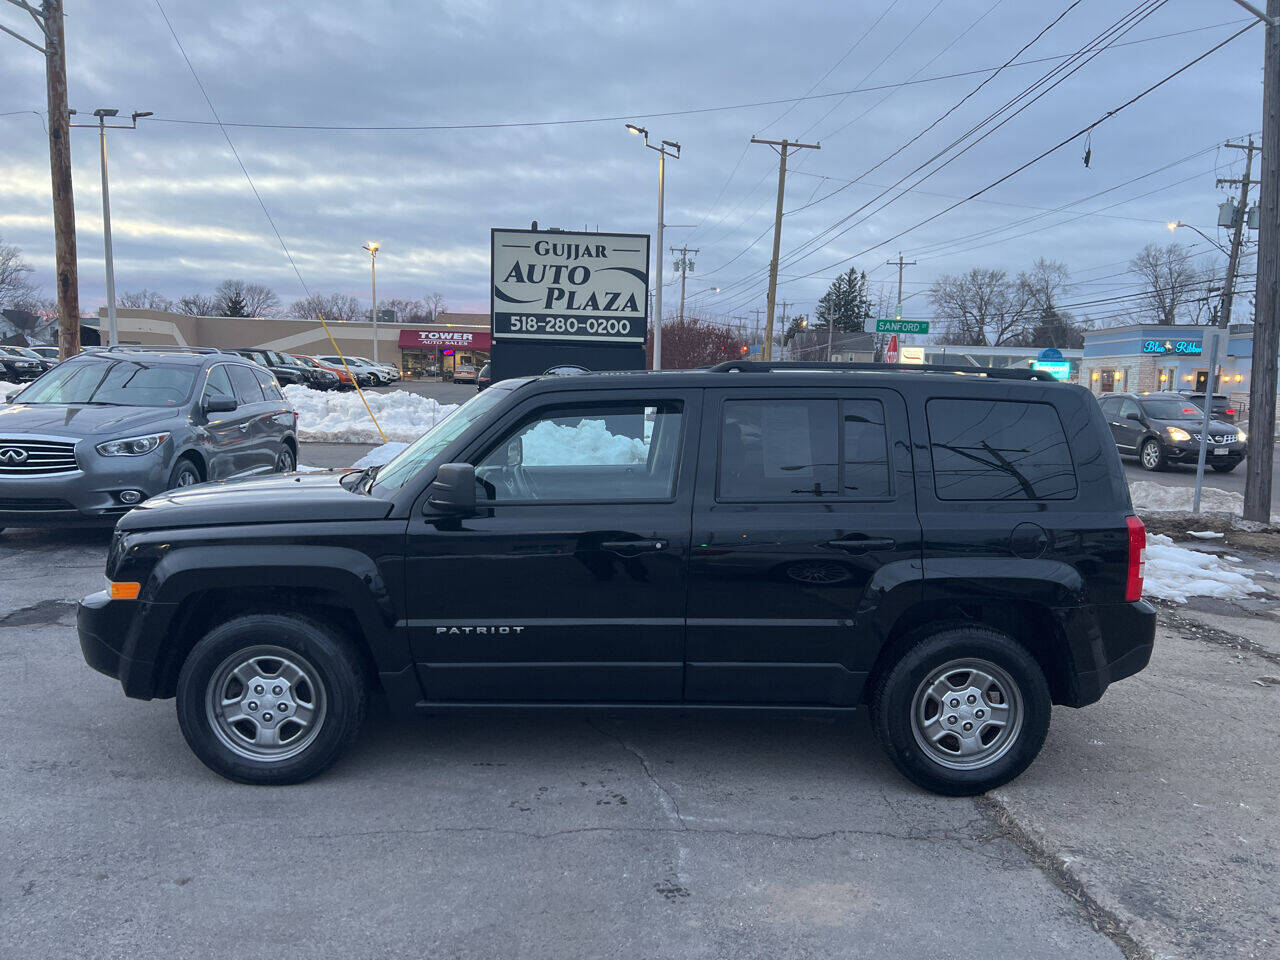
[1266, 329]
[1237, 233]
[783, 148]
[668, 148]
[48, 19]
[769, 333]
[900, 264]
[684, 265]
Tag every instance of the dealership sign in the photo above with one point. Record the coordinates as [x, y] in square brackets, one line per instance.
[435, 338]
[561, 285]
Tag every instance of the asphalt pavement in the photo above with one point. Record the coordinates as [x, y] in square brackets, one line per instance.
[1152, 814]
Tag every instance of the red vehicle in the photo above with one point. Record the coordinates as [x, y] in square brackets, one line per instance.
[345, 382]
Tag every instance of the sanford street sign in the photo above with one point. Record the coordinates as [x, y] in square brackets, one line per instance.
[562, 285]
[894, 325]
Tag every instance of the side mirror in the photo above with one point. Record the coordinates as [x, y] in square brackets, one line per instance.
[1133, 416]
[219, 404]
[453, 491]
[10, 397]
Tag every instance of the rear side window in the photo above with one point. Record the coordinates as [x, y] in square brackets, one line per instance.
[270, 389]
[999, 450]
[779, 450]
[865, 458]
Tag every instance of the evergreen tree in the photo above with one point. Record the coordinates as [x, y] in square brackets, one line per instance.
[846, 303]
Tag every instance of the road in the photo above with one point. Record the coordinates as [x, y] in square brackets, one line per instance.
[1178, 475]
[636, 837]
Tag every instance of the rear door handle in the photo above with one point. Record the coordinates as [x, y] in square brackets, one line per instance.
[629, 548]
[863, 544]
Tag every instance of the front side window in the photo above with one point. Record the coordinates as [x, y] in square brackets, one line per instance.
[999, 450]
[590, 453]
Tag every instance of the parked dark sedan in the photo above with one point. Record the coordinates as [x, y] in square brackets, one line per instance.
[1164, 428]
[1223, 409]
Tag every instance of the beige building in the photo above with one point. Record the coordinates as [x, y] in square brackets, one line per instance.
[418, 349]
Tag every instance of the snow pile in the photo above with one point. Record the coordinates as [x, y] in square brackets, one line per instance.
[1175, 573]
[552, 444]
[1150, 497]
[380, 455]
[341, 417]
[7, 388]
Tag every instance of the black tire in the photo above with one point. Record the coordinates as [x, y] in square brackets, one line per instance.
[1224, 467]
[185, 473]
[342, 695]
[896, 690]
[1151, 455]
[286, 462]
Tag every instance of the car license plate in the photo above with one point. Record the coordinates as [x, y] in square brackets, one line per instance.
[1221, 451]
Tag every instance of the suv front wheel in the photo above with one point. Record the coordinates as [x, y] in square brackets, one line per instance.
[963, 711]
[270, 698]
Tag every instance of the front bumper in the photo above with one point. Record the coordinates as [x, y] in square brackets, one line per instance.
[86, 497]
[121, 639]
[1108, 642]
[1189, 452]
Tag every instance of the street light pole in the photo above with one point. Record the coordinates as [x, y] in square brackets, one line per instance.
[663, 153]
[372, 247]
[113, 338]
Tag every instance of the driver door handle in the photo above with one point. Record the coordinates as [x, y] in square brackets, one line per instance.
[629, 548]
[862, 544]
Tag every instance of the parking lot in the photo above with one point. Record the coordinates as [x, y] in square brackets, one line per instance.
[607, 836]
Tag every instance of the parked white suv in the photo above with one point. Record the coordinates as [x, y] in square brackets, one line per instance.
[361, 368]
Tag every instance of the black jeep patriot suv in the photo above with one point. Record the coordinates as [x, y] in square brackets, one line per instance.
[954, 549]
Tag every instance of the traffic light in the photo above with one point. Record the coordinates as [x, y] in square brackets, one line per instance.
[743, 350]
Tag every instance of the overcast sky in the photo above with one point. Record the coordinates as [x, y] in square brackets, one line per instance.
[184, 216]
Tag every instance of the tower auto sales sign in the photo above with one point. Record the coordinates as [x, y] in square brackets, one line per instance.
[561, 285]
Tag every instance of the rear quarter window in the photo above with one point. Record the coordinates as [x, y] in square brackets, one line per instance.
[999, 450]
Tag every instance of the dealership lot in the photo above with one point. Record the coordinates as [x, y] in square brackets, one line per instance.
[634, 836]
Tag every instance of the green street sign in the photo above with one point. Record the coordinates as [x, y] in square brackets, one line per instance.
[894, 325]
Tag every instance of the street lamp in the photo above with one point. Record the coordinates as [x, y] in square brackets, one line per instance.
[372, 247]
[102, 114]
[1175, 224]
[663, 153]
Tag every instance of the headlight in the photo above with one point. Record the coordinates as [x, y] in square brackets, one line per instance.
[1243, 436]
[1178, 434]
[131, 446]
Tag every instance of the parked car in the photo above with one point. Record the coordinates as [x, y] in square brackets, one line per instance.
[393, 372]
[49, 353]
[1164, 428]
[365, 373]
[345, 380]
[484, 377]
[26, 353]
[287, 371]
[464, 373]
[16, 367]
[315, 375]
[1222, 407]
[103, 431]
[922, 541]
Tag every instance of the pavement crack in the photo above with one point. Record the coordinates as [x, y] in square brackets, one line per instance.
[671, 808]
[1056, 871]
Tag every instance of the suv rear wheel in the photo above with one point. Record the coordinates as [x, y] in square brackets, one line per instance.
[963, 711]
[270, 698]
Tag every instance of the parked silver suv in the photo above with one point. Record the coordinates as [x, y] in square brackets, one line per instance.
[102, 432]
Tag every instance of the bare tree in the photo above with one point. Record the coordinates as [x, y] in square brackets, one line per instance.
[16, 289]
[407, 311]
[982, 308]
[335, 306]
[1170, 280]
[198, 305]
[432, 306]
[144, 299]
[236, 298]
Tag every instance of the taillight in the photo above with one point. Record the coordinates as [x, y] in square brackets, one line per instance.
[1137, 559]
[1229, 410]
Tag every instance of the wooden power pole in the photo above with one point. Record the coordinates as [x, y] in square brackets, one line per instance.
[1237, 234]
[1266, 328]
[684, 265]
[48, 19]
[783, 148]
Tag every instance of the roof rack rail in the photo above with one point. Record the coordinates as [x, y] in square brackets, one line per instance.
[766, 366]
[158, 348]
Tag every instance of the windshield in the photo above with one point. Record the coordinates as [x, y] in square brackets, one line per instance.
[22, 352]
[412, 459]
[1163, 409]
[129, 383]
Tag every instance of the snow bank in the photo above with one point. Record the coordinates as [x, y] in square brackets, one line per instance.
[342, 418]
[552, 444]
[1151, 497]
[380, 455]
[7, 388]
[1175, 573]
